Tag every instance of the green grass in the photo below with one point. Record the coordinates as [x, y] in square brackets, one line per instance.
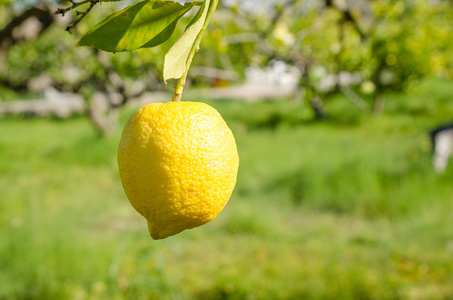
[347, 208]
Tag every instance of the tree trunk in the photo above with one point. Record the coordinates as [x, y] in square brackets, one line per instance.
[379, 104]
[317, 106]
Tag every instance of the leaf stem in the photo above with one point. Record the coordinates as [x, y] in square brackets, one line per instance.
[179, 87]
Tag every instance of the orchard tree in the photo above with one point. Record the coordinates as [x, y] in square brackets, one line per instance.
[409, 41]
[389, 44]
[36, 54]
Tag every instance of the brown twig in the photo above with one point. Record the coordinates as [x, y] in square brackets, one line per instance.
[81, 14]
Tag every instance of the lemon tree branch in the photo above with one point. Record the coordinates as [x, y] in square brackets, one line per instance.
[80, 14]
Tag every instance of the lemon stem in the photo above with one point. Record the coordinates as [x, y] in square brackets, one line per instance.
[196, 46]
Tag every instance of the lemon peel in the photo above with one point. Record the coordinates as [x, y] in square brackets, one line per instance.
[178, 164]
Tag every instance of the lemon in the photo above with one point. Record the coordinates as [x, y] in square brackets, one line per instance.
[178, 164]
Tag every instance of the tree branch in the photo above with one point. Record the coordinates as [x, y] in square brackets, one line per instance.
[348, 18]
[81, 14]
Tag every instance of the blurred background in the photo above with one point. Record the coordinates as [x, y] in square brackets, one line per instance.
[332, 104]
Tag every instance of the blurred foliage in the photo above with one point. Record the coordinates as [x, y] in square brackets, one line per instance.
[411, 41]
[389, 44]
[404, 41]
[54, 53]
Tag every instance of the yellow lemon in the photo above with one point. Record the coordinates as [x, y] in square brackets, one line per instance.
[178, 164]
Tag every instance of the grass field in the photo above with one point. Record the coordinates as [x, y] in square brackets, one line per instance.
[346, 208]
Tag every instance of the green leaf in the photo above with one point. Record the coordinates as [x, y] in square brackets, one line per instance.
[144, 24]
[175, 63]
